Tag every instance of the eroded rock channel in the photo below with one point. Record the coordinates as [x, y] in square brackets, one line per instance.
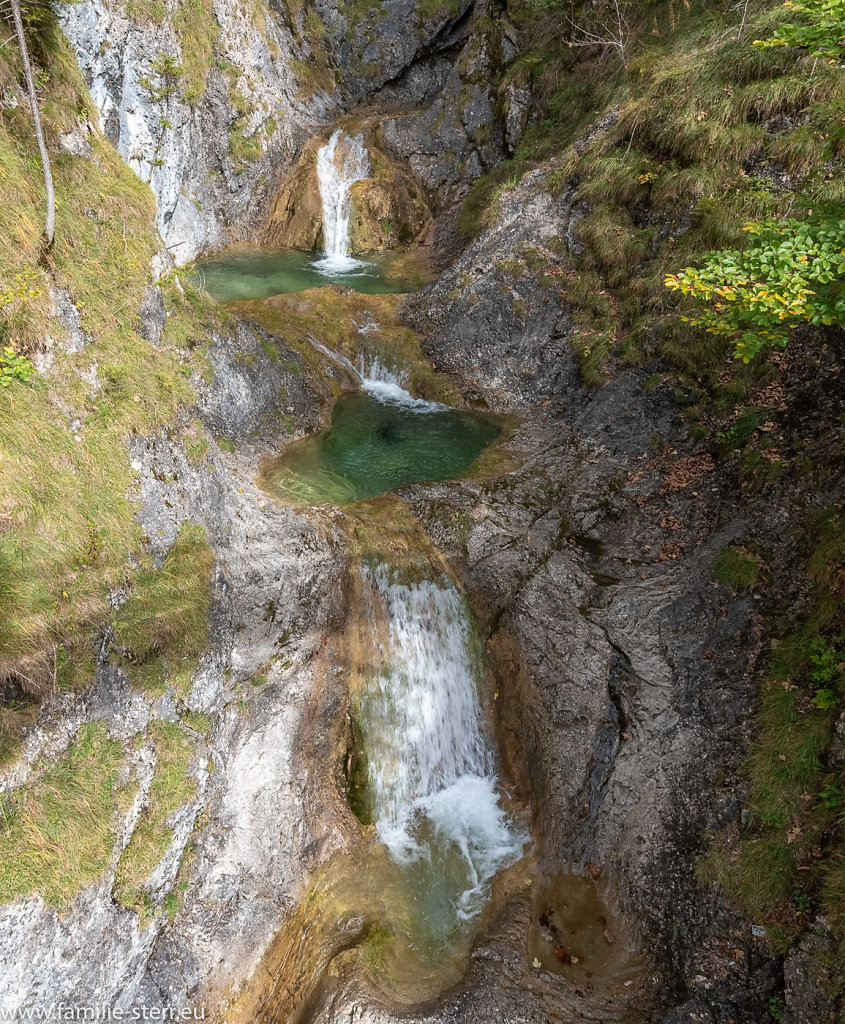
[437, 844]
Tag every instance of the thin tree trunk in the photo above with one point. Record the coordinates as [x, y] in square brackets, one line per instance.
[50, 224]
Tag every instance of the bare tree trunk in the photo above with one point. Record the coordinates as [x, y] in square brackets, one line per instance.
[743, 6]
[50, 224]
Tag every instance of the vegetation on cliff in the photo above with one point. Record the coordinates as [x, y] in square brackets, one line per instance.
[708, 136]
[67, 521]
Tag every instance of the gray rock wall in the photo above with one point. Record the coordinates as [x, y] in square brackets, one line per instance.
[206, 197]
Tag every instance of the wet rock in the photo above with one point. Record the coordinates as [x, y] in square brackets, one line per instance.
[496, 322]
[623, 673]
[518, 101]
[376, 46]
[266, 392]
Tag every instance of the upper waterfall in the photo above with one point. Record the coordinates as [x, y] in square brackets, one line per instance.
[340, 163]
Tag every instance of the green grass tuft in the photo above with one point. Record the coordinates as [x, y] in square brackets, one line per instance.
[165, 619]
[170, 789]
[57, 833]
[737, 568]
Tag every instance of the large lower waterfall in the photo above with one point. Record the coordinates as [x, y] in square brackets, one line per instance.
[340, 163]
[431, 767]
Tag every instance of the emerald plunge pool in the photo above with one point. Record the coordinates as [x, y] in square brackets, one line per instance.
[261, 272]
[380, 438]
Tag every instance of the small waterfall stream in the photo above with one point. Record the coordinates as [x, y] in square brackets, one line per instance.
[380, 381]
[432, 770]
[340, 163]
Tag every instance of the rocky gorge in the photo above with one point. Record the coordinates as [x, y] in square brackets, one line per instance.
[620, 669]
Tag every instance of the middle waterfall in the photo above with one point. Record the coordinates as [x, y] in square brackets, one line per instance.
[340, 163]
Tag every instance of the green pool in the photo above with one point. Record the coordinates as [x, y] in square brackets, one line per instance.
[259, 273]
[379, 439]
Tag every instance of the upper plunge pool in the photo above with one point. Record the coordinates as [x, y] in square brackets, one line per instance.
[258, 273]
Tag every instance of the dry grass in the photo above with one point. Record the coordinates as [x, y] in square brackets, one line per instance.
[57, 834]
[67, 525]
[163, 627]
[694, 108]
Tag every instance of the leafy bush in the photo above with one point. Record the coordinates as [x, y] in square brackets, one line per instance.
[14, 367]
[789, 275]
[822, 33]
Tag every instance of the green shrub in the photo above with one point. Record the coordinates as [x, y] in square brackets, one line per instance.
[14, 368]
[821, 30]
[790, 274]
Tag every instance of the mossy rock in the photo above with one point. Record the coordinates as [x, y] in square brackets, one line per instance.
[387, 212]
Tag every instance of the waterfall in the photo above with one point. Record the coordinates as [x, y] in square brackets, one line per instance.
[432, 770]
[340, 163]
[379, 381]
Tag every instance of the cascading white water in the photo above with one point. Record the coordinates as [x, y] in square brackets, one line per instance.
[340, 163]
[432, 770]
[380, 381]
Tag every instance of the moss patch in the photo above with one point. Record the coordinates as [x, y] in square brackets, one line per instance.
[788, 863]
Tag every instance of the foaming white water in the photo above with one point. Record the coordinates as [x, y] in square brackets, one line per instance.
[339, 165]
[379, 381]
[391, 393]
[431, 767]
[388, 386]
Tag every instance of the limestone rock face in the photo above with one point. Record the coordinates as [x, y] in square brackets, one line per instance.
[296, 218]
[277, 588]
[388, 210]
[208, 158]
[214, 149]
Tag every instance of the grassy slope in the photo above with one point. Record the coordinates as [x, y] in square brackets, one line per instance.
[68, 532]
[57, 834]
[171, 787]
[684, 161]
[67, 522]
